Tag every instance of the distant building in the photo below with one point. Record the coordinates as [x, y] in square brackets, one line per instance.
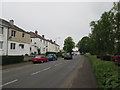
[37, 44]
[40, 45]
[16, 40]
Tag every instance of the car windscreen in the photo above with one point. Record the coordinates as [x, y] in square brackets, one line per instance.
[37, 56]
[50, 55]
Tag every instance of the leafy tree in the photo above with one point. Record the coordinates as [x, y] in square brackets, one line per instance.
[105, 35]
[116, 11]
[68, 44]
[83, 45]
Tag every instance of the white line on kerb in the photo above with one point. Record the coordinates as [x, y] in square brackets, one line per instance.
[40, 71]
[58, 64]
[9, 83]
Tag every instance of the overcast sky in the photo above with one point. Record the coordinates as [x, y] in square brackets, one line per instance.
[60, 19]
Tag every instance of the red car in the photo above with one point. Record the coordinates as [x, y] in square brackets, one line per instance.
[39, 59]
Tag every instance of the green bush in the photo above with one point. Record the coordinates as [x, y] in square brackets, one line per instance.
[50, 53]
[59, 54]
[106, 73]
[11, 59]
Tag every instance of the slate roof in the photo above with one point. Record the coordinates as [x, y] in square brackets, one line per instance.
[33, 35]
[7, 24]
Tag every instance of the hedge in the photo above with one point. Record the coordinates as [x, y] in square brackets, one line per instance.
[50, 53]
[11, 59]
[107, 73]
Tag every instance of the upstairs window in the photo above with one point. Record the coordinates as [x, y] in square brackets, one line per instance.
[23, 35]
[1, 30]
[13, 33]
[1, 45]
[12, 46]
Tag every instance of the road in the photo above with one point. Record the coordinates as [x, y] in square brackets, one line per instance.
[53, 74]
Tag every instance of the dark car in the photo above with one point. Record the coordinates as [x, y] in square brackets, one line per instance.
[51, 57]
[39, 59]
[67, 56]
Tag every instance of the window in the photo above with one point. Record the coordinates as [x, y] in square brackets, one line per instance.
[1, 30]
[13, 33]
[22, 46]
[12, 46]
[23, 34]
[31, 40]
[1, 45]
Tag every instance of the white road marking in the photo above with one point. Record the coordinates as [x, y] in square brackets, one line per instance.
[37, 64]
[58, 64]
[41, 71]
[9, 83]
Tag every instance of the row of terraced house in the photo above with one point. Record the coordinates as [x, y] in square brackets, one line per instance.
[16, 41]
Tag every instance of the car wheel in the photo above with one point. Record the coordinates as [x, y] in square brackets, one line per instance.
[42, 61]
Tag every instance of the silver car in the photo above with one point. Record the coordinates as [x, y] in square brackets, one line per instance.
[67, 56]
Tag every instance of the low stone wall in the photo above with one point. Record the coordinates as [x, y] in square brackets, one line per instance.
[28, 58]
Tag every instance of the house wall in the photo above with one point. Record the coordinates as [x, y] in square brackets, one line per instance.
[34, 46]
[3, 38]
[18, 37]
[18, 50]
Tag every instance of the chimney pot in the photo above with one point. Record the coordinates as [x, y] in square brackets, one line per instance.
[36, 32]
[43, 36]
[11, 22]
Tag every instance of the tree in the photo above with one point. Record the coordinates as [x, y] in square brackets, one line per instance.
[83, 45]
[68, 44]
[105, 34]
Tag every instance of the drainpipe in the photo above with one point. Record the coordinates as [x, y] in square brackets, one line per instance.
[7, 41]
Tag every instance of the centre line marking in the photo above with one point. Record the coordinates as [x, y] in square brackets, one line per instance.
[58, 64]
[9, 83]
[41, 71]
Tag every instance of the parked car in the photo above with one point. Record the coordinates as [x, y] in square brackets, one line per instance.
[67, 56]
[51, 57]
[63, 55]
[113, 58]
[117, 60]
[39, 59]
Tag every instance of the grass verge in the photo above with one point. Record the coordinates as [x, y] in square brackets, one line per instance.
[106, 72]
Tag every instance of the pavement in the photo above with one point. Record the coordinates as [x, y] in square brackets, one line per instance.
[75, 73]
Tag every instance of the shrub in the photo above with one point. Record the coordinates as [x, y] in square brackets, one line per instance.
[106, 73]
[50, 53]
[59, 54]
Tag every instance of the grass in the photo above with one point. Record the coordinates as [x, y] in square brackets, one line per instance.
[106, 73]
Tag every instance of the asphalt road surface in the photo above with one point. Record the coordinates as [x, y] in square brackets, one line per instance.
[53, 74]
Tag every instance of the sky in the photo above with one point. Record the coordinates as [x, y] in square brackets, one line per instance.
[55, 20]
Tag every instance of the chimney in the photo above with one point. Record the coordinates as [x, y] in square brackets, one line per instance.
[43, 36]
[11, 22]
[36, 32]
